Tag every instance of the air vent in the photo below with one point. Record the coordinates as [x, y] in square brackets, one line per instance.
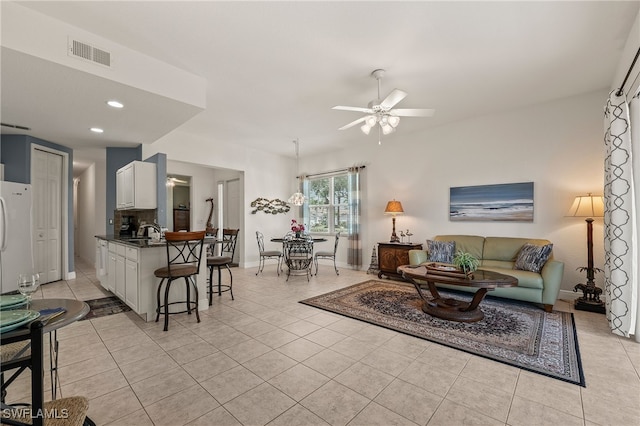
[15, 126]
[87, 52]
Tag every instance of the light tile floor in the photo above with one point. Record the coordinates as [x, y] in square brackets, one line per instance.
[266, 359]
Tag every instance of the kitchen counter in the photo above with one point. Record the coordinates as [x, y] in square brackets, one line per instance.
[143, 242]
[126, 267]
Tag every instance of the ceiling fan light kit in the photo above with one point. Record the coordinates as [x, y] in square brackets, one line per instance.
[382, 112]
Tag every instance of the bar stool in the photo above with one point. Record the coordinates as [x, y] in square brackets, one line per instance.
[184, 251]
[229, 239]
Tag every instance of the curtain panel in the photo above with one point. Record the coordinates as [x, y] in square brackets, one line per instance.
[354, 251]
[620, 216]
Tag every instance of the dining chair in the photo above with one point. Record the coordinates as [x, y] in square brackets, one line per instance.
[298, 256]
[71, 411]
[228, 244]
[267, 254]
[328, 255]
[184, 252]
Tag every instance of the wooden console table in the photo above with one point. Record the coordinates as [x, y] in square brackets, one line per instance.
[392, 255]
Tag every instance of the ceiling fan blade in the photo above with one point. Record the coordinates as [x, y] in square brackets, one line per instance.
[394, 97]
[413, 112]
[349, 108]
[353, 123]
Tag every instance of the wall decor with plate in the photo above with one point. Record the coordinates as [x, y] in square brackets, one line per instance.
[269, 206]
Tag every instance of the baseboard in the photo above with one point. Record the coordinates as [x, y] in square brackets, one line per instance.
[70, 275]
[569, 295]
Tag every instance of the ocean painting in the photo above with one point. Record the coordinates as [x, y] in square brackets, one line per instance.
[501, 202]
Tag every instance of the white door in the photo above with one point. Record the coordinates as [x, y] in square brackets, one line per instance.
[47, 214]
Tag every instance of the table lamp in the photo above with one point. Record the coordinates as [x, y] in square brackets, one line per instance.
[394, 208]
[588, 206]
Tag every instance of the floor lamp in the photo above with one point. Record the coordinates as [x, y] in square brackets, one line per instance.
[394, 208]
[588, 206]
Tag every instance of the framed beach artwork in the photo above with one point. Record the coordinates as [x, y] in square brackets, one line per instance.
[502, 202]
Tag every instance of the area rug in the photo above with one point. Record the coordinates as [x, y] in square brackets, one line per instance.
[514, 333]
[105, 306]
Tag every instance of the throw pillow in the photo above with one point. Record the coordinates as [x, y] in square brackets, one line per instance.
[441, 251]
[532, 258]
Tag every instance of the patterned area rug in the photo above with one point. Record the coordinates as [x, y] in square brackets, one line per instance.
[518, 334]
[105, 306]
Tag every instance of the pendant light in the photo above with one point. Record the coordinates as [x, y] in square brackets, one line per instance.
[297, 199]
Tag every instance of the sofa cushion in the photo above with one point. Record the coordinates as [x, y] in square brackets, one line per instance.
[471, 244]
[507, 248]
[532, 257]
[525, 279]
[488, 263]
[441, 251]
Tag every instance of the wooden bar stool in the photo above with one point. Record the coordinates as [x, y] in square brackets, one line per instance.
[184, 251]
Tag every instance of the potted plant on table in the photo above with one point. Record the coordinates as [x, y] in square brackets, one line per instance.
[466, 262]
[296, 227]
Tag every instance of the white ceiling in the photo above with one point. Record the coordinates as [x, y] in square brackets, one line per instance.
[275, 69]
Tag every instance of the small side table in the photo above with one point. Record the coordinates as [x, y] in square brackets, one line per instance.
[392, 255]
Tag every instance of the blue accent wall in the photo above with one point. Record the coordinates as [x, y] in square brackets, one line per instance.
[117, 158]
[15, 154]
[160, 160]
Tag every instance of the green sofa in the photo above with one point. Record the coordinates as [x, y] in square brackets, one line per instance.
[499, 254]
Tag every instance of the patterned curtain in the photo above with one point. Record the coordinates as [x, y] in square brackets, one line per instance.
[354, 252]
[621, 215]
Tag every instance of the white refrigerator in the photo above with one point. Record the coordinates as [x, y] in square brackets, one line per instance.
[16, 254]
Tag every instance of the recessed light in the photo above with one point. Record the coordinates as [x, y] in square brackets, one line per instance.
[96, 130]
[115, 104]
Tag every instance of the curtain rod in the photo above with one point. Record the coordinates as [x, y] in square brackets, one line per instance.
[332, 171]
[619, 92]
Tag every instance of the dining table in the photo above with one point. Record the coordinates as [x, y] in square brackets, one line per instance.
[29, 351]
[315, 240]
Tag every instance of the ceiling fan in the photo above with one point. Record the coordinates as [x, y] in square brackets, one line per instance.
[383, 112]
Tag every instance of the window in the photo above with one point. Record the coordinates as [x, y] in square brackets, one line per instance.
[328, 204]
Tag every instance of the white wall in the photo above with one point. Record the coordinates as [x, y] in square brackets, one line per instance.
[628, 53]
[557, 145]
[90, 210]
[262, 175]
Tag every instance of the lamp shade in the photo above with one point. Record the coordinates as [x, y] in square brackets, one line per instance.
[587, 206]
[394, 207]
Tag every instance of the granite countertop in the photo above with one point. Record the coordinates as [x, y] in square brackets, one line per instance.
[143, 242]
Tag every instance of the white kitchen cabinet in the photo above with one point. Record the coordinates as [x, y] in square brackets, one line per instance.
[102, 261]
[120, 276]
[132, 283]
[111, 272]
[136, 186]
[130, 276]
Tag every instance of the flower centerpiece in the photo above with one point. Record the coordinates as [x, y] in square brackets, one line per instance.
[296, 227]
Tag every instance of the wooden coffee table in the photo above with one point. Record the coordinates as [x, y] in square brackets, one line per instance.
[449, 308]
